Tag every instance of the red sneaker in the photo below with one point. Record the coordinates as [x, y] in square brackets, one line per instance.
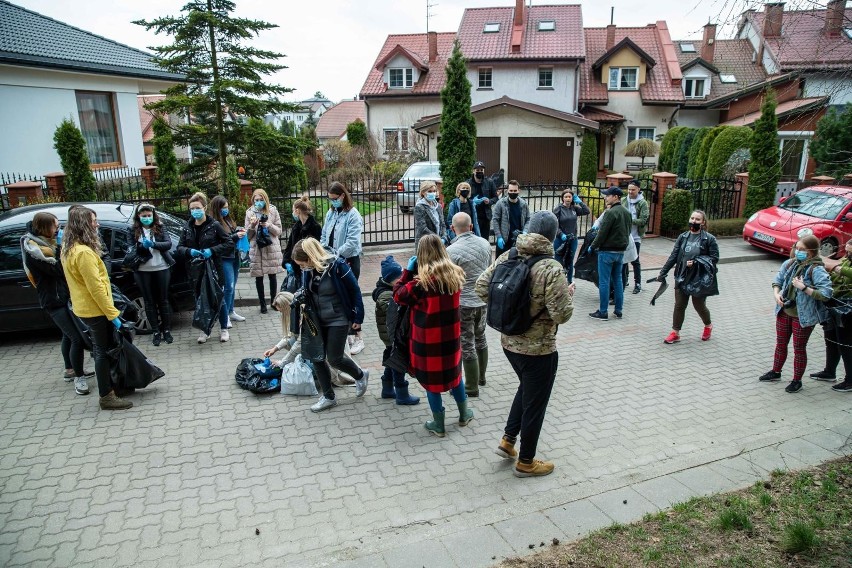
[673, 337]
[705, 335]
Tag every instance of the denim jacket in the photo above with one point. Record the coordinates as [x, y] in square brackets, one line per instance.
[347, 226]
[811, 310]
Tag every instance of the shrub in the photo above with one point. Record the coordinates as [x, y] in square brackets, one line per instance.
[71, 147]
[765, 167]
[832, 143]
[704, 152]
[164, 154]
[677, 206]
[726, 227]
[726, 143]
[641, 148]
[232, 178]
[356, 133]
[457, 142]
[586, 190]
[681, 160]
[692, 160]
[647, 173]
[668, 147]
[738, 163]
[587, 171]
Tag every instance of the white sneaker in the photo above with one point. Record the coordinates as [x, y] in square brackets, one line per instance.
[361, 384]
[224, 336]
[228, 324]
[81, 386]
[236, 317]
[202, 338]
[323, 404]
[356, 346]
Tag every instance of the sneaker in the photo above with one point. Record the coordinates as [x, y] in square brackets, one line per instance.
[224, 336]
[637, 288]
[69, 376]
[357, 345]
[845, 386]
[673, 337]
[794, 386]
[535, 469]
[705, 335]
[167, 337]
[236, 317]
[323, 404]
[156, 339]
[506, 449]
[770, 376]
[202, 338]
[338, 379]
[599, 316]
[361, 384]
[112, 402]
[823, 376]
[228, 324]
[81, 386]
[618, 315]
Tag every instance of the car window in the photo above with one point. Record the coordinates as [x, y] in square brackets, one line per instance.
[10, 252]
[120, 241]
[816, 204]
[422, 171]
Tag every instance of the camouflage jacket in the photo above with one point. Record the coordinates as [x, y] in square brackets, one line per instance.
[549, 293]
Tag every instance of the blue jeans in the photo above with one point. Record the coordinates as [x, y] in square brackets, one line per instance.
[609, 274]
[231, 269]
[434, 398]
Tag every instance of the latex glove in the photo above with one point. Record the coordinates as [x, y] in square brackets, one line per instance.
[564, 237]
[590, 250]
[412, 263]
[289, 268]
[59, 237]
[117, 323]
[576, 199]
[477, 201]
[501, 243]
[147, 243]
[194, 253]
[207, 253]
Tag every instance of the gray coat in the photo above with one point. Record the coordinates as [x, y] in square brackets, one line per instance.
[425, 221]
[473, 255]
[500, 218]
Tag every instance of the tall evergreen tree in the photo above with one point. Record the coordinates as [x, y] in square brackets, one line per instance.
[668, 147]
[164, 154]
[588, 168]
[222, 74]
[692, 160]
[457, 141]
[704, 152]
[832, 143]
[71, 147]
[764, 170]
[726, 143]
[681, 159]
[356, 133]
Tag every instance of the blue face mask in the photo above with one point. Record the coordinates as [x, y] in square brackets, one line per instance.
[336, 203]
[197, 214]
[259, 205]
[801, 255]
[147, 221]
[295, 217]
[431, 196]
[224, 211]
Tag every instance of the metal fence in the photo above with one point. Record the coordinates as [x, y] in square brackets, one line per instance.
[10, 178]
[718, 198]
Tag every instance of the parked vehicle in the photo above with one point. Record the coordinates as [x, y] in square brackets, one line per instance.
[824, 211]
[408, 186]
[19, 307]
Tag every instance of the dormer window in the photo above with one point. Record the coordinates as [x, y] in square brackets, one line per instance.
[687, 47]
[401, 78]
[694, 88]
[491, 28]
[623, 78]
[728, 78]
[546, 26]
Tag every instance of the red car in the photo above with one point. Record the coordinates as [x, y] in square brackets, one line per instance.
[824, 211]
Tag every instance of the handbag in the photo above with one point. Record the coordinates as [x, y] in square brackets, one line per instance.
[131, 260]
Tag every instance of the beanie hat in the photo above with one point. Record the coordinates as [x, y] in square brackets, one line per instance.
[544, 223]
[391, 270]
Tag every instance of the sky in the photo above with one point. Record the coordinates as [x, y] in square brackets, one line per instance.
[330, 45]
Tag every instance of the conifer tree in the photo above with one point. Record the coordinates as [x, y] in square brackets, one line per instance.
[588, 168]
[164, 155]
[71, 147]
[764, 170]
[832, 143]
[457, 141]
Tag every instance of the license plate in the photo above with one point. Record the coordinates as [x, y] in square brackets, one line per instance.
[765, 238]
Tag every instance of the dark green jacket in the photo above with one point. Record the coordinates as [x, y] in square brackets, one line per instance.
[614, 230]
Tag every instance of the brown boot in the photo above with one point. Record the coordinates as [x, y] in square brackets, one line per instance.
[112, 402]
[536, 468]
[506, 449]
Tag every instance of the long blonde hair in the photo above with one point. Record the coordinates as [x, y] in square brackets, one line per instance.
[310, 250]
[282, 303]
[435, 271]
[264, 196]
[79, 230]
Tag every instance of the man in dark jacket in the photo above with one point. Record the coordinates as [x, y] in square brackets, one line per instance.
[483, 192]
[610, 242]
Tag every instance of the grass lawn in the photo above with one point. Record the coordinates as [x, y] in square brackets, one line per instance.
[791, 519]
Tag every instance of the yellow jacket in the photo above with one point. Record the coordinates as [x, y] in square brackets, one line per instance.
[88, 283]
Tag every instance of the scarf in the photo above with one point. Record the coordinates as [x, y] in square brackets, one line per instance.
[799, 269]
[38, 248]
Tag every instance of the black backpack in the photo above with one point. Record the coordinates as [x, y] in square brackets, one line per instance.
[509, 294]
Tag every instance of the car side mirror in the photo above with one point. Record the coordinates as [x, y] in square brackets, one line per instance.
[783, 199]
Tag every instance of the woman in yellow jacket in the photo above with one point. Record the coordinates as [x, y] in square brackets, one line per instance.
[91, 295]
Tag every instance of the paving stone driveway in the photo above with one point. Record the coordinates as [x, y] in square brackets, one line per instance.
[189, 475]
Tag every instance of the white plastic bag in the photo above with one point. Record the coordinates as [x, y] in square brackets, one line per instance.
[298, 379]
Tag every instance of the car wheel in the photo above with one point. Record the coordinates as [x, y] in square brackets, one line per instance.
[142, 325]
[828, 247]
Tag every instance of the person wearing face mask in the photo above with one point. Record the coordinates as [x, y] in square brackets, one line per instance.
[640, 213]
[801, 287]
[154, 273]
[567, 212]
[263, 218]
[694, 259]
[838, 327]
[304, 226]
[483, 193]
[220, 210]
[510, 219]
[463, 203]
[429, 214]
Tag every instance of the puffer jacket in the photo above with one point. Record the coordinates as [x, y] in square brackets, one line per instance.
[386, 311]
[550, 297]
[266, 260]
[473, 255]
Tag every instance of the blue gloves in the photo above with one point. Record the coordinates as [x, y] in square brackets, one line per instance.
[412, 263]
[501, 243]
[195, 253]
[147, 243]
[590, 250]
[564, 237]
[477, 201]
[207, 253]
[289, 268]
[576, 199]
[59, 237]
[117, 323]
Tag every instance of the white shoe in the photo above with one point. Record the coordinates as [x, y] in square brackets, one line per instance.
[323, 404]
[224, 336]
[228, 324]
[202, 338]
[81, 386]
[361, 384]
[356, 346]
[236, 317]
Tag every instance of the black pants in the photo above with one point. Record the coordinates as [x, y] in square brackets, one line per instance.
[273, 288]
[537, 374]
[838, 344]
[72, 341]
[354, 263]
[102, 333]
[155, 291]
[334, 338]
[637, 269]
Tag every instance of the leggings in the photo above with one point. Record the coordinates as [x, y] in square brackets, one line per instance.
[681, 301]
[72, 341]
[102, 333]
[273, 288]
[785, 327]
[838, 344]
[637, 268]
[334, 339]
[155, 291]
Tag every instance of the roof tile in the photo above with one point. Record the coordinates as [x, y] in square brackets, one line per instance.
[803, 44]
[430, 83]
[333, 122]
[730, 57]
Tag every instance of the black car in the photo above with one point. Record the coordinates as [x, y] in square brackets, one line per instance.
[19, 307]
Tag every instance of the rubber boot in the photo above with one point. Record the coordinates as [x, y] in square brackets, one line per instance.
[471, 377]
[436, 425]
[402, 396]
[387, 384]
[465, 413]
[482, 356]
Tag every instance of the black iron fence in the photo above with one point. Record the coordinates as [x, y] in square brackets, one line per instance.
[718, 198]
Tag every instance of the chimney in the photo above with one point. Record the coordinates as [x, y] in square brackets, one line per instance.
[708, 44]
[518, 26]
[519, 13]
[432, 38]
[834, 14]
[773, 19]
[610, 36]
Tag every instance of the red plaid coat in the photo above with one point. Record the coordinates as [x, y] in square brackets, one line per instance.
[435, 340]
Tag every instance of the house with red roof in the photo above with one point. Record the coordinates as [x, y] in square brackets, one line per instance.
[146, 121]
[332, 124]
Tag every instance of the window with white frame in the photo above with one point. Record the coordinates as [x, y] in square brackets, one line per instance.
[401, 78]
[547, 26]
[485, 77]
[491, 28]
[623, 78]
[396, 140]
[637, 132]
[545, 77]
[695, 88]
[98, 125]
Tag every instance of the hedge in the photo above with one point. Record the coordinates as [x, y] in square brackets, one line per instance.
[726, 143]
[682, 160]
[668, 147]
[726, 227]
[677, 207]
[704, 152]
[692, 161]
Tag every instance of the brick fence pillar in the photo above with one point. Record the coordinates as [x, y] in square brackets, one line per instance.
[663, 181]
[55, 184]
[743, 180]
[23, 192]
[618, 180]
[246, 188]
[149, 175]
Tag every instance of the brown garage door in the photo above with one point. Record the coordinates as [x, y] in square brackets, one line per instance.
[488, 151]
[536, 160]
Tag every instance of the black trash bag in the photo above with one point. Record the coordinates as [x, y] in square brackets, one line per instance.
[129, 310]
[290, 284]
[262, 239]
[208, 300]
[130, 368]
[586, 267]
[253, 375]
